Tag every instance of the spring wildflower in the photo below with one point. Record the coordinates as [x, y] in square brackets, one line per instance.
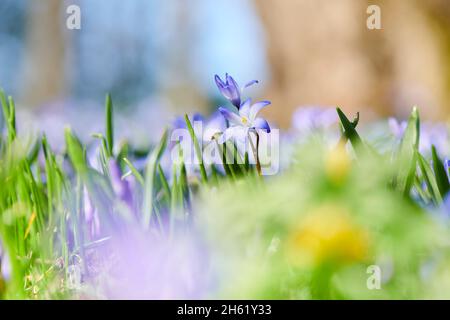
[397, 128]
[310, 119]
[210, 126]
[231, 90]
[120, 186]
[244, 120]
[148, 267]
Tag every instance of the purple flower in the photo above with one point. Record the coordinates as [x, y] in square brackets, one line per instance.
[180, 123]
[430, 133]
[121, 187]
[216, 124]
[91, 216]
[244, 120]
[307, 119]
[205, 130]
[397, 128]
[436, 134]
[231, 90]
[141, 266]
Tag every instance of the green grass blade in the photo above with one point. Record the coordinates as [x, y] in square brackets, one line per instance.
[349, 128]
[429, 178]
[164, 182]
[439, 171]
[12, 116]
[197, 149]
[9, 115]
[150, 173]
[109, 125]
[135, 172]
[76, 152]
[5, 106]
[407, 154]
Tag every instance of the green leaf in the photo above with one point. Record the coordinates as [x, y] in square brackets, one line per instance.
[164, 182]
[5, 107]
[197, 149]
[238, 165]
[150, 173]
[349, 128]
[12, 114]
[135, 172]
[247, 162]
[184, 182]
[9, 114]
[76, 152]
[429, 178]
[104, 153]
[34, 151]
[407, 154]
[109, 124]
[439, 171]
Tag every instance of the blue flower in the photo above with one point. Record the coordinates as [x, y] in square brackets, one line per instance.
[244, 120]
[120, 186]
[397, 128]
[180, 123]
[309, 119]
[230, 89]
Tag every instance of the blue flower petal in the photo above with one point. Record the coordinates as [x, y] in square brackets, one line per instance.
[230, 116]
[256, 108]
[250, 83]
[179, 123]
[261, 123]
[231, 82]
[245, 108]
[220, 84]
[198, 117]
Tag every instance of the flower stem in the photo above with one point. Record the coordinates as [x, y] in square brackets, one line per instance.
[256, 152]
[258, 163]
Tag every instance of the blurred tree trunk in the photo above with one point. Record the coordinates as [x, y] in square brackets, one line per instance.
[321, 53]
[43, 78]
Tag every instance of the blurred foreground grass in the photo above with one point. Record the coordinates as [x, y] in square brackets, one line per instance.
[311, 232]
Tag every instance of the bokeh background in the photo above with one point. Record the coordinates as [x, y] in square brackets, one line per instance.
[158, 57]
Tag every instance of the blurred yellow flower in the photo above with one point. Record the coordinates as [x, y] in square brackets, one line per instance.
[327, 235]
[337, 163]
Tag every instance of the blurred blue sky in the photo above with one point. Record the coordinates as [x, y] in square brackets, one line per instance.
[136, 48]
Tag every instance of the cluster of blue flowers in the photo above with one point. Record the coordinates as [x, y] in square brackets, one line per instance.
[244, 118]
